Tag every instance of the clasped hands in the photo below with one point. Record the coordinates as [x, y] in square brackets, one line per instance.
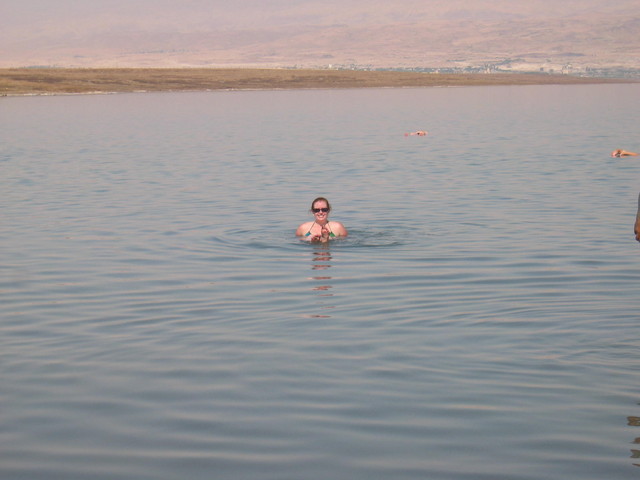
[323, 237]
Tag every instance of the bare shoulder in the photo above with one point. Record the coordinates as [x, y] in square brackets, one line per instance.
[304, 228]
[339, 229]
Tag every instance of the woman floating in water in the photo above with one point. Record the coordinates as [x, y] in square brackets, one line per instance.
[623, 153]
[420, 133]
[321, 229]
[636, 226]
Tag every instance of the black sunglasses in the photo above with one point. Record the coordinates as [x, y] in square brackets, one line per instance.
[316, 210]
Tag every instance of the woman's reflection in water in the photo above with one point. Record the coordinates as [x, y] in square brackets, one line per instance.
[635, 453]
[322, 261]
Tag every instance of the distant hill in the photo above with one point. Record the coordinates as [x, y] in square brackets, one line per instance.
[544, 35]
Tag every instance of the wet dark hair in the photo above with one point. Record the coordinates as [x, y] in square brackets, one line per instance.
[320, 199]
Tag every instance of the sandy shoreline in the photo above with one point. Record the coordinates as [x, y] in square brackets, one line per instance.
[85, 81]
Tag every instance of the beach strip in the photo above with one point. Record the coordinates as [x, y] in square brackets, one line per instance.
[50, 81]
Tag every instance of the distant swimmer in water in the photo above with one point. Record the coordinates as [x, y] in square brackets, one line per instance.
[321, 230]
[636, 226]
[419, 133]
[623, 153]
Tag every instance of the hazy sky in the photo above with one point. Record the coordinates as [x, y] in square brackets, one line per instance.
[16, 14]
[44, 30]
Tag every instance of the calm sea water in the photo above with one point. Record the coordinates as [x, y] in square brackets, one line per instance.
[159, 320]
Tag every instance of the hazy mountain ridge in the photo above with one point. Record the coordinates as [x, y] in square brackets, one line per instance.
[585, 33]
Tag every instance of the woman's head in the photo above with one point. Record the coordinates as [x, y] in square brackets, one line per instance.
[320, 203]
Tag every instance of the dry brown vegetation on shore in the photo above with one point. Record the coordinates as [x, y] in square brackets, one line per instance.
[66, 81]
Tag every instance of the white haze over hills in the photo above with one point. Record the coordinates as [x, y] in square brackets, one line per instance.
[517, 34]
